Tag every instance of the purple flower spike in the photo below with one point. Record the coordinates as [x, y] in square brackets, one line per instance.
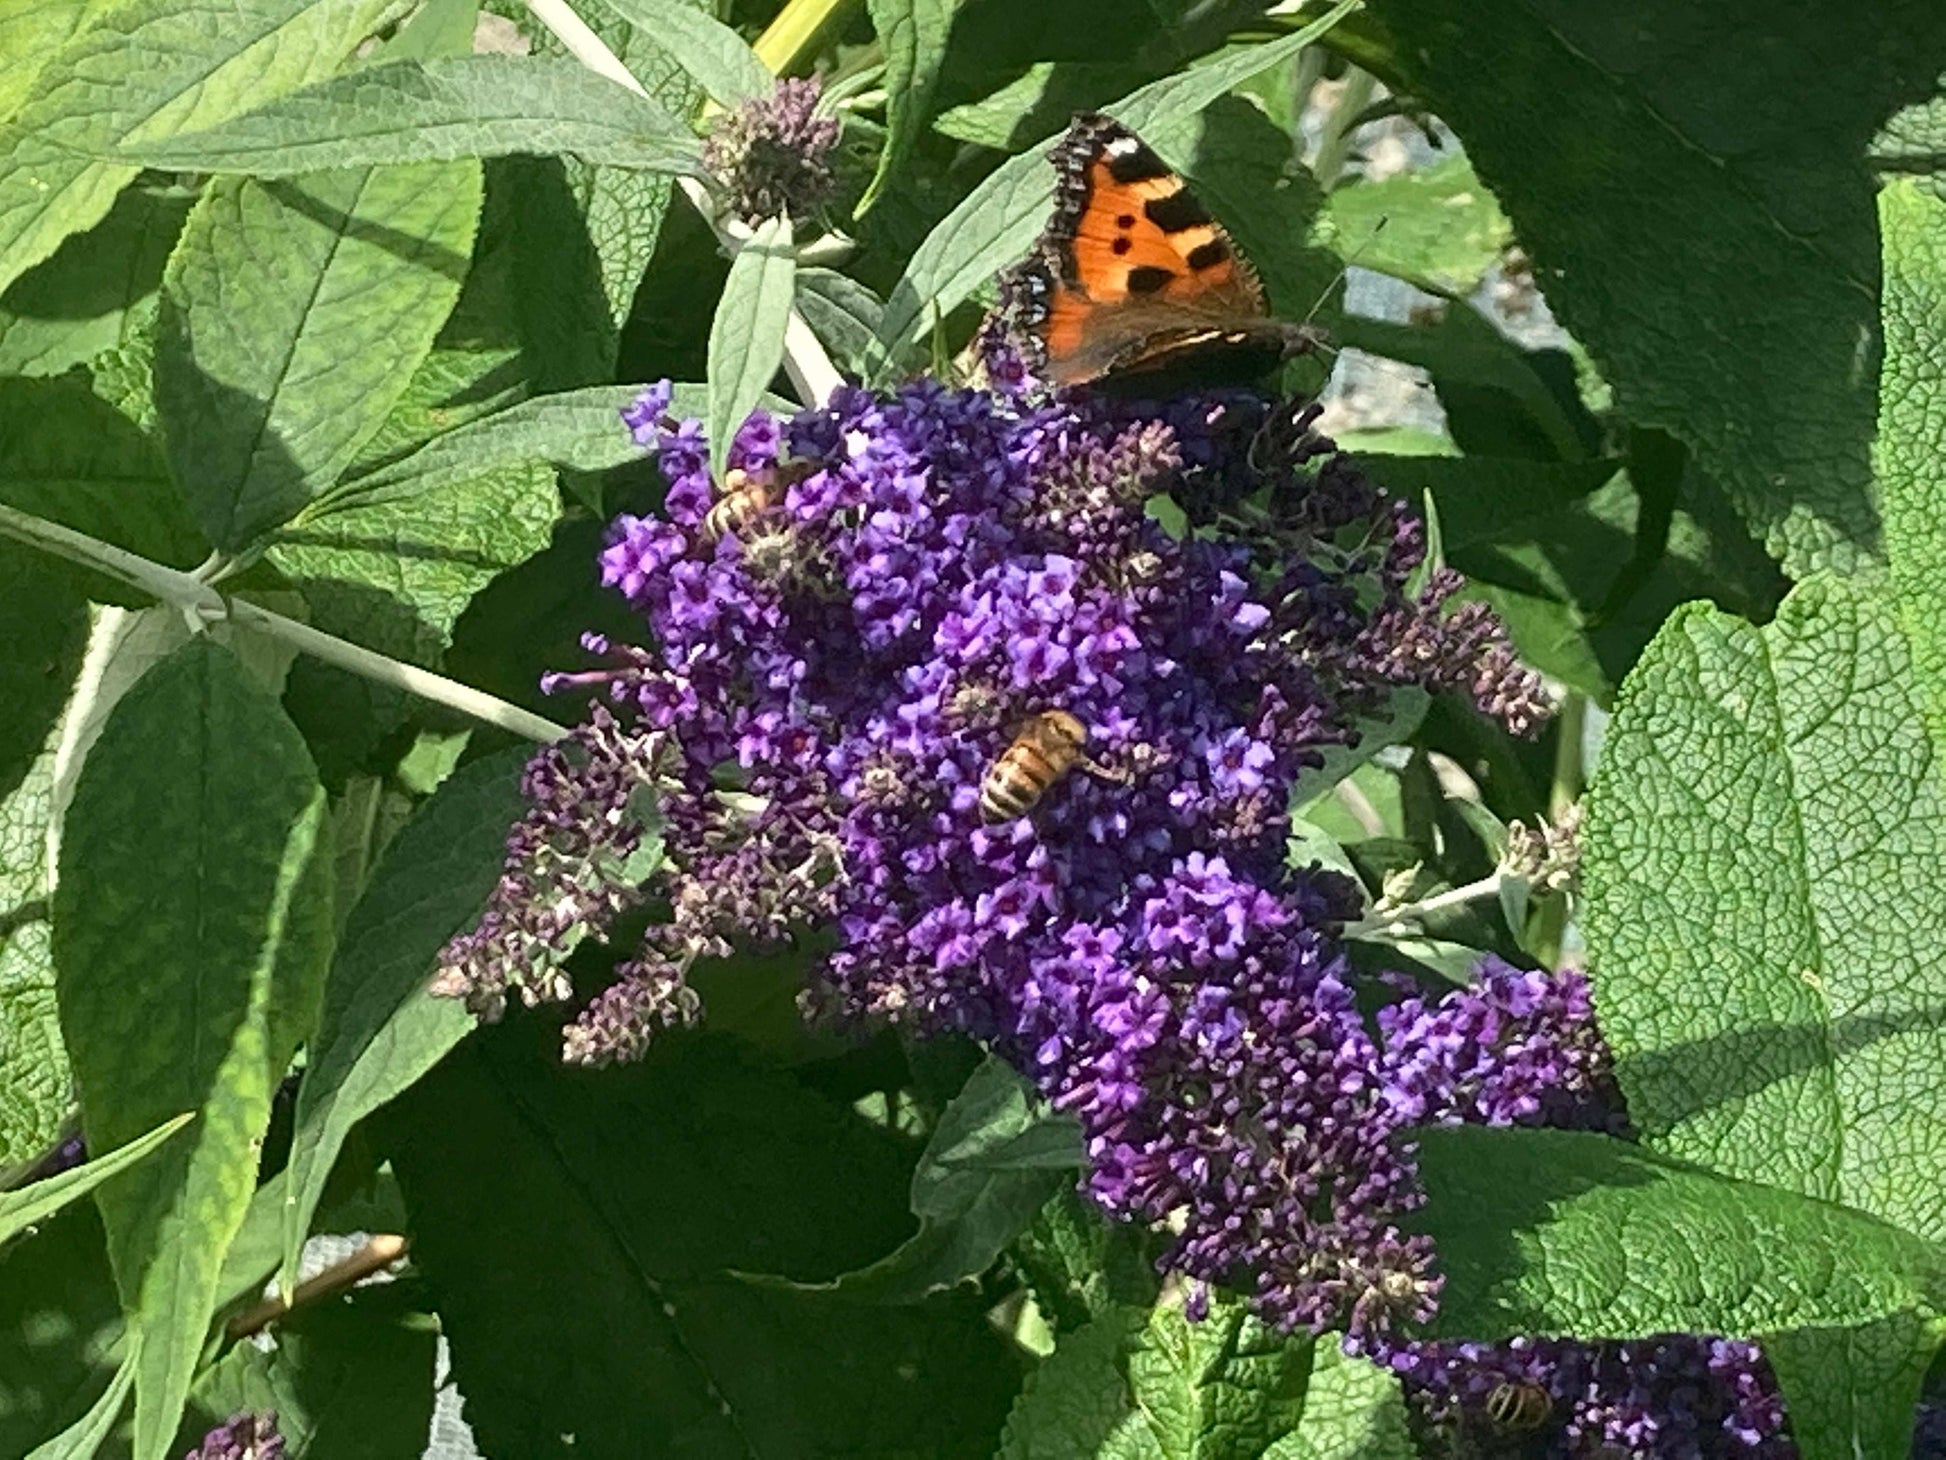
[849, 635]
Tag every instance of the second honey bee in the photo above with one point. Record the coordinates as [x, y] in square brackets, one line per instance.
[1047, 747]
[1518, 1406]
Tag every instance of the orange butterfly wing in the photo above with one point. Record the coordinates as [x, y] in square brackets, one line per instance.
[1132, 274]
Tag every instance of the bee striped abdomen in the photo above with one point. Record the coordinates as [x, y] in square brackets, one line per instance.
[1518, 1406]
[1040, 755]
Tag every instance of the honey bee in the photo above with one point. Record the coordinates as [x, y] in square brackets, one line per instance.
[740, 501]
[1047, 747]
[1518, 1406]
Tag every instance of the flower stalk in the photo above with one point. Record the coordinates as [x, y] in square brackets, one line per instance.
[204, 605]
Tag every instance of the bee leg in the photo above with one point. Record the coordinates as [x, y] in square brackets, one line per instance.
[1107, 772]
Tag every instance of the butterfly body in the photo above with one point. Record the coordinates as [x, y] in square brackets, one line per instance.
[1134, 284]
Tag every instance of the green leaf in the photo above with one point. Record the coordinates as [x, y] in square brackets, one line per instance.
[20, 1210]
[45, 618]
[1353, 1410]
[1764, 797]
[74, 459]
[1221, 1389]
[1044, 95]
[189, 960]
[61, 1337]
[534, 230]
[352, 1378]
[912, 35]
[746, 338]
[719, 59]
[996, 223]
[1853, 1391]
[1543, 1231]
[293, 316]
[1724, 275]
[35, 31]
[969, 1209]
[97, 292]
[1076, 1402]
[843, 314]
[88, 1434]
[437, 111]
[580, 429]
[574, 1227]
[380, 1030]
[1464, 352]
[145, 70]
[1910, 455]
[1436, 226]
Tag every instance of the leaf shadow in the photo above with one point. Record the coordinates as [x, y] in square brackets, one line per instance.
[1694, 1077]
[407, 247]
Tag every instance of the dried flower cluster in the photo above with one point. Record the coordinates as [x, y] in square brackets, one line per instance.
[242, 1437]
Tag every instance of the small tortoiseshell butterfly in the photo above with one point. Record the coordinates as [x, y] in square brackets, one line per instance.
[1132, 282]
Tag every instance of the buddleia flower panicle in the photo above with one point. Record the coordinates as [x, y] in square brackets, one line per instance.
[836, 661]
[242, 1437]
[772, 155]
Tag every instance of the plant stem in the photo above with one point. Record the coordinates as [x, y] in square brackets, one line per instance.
[1570, 775]
[805, 361]
[205, 605]
[1411, 912]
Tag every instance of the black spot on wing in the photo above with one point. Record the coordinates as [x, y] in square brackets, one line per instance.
[1208, 255]
[1147, 278]
[1138, 165]
[1176, 212]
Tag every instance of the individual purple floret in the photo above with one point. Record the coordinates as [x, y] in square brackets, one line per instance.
[243, 1437]
[844, 649]
[772, 154]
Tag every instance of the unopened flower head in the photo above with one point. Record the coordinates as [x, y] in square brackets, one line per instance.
[1119, 920]
[772, 154]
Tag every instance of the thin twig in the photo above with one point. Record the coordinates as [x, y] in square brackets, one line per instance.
[805, 361]
[377, 1254]
[204, 606]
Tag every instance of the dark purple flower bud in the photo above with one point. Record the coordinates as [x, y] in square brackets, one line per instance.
[243, 1437]
[772, 154]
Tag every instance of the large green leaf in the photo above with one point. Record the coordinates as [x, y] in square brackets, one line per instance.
[1130, 1388]
[970, 1208]
[719, 59]
[581, 429]
[433, 111]
[20, 1210]
[576, 1228]
[1764, 797]
[746, 337]
[912, 34]
[380, 1030]
[1544, 1231]
[1910, 455]
[72, 458]
[1353, 1410]
[293, 316]
[98, 290]
[32, 31]
[189, 959]
[996, 222]
[44, 621]
[1723, 274]
[144, 70]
